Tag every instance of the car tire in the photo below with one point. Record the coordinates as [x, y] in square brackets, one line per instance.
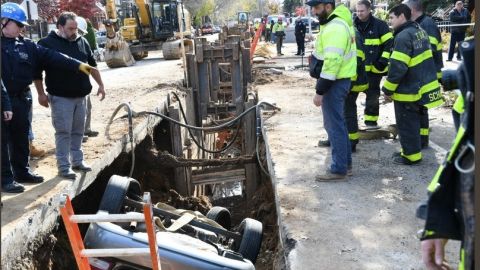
[221, 215]
[117, 189]
[251, 231]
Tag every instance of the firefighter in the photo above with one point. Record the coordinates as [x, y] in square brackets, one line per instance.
[378, 42]
[335, 46]
[359, 84]
[427, 24]
[450, 210]
[411, 82]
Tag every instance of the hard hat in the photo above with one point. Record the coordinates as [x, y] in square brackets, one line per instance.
[81, 25]
[313, 3]
[280, 18]
[14, 12]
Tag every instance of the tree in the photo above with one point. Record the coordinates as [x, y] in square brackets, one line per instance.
[84, 8]
[47, 9]
[274, 6]
[290, 5]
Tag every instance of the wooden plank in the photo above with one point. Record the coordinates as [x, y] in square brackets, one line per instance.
[214, 80]
[246, 68]
[203, 88]
[252, 173]
[219, 173]
[237, 87]
[177, 150]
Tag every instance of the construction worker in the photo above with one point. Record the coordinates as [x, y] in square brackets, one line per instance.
[378, 43]
[411, 82]
[279, 33]
[67, 94]
[427, 24]
[335, 46]
[450, 209]
[20, 57]
[300, 31]
[359, 84]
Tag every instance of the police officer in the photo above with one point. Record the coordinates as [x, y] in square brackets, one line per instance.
[427, 24]
[300, 31]
[378, 42]
[335, 46]
[411, 82]
[20, 57]
[450, 210]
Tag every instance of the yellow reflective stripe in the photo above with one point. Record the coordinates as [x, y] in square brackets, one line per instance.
[429, 233]
[433, 40]
[361, 54]
[420, 58]
[433, 85]
[354, 136]
[390, 86]
[359, 88]
[434, 183]
[372, 118]
[375, 70]
[368, 68]
[424, 131]
[386, 37]
[439, 75]
[406, 97]
[402, 57]
[372, 41]
[458, 106]
[413, 157]
[439, 47]
[386, 55]
[434, 104]
[456, 143]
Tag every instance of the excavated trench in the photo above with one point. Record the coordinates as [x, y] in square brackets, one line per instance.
[54, 251]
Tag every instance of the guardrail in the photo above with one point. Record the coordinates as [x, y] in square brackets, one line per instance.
[445, 26]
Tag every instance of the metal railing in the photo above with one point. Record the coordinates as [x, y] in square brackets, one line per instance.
[445, 26]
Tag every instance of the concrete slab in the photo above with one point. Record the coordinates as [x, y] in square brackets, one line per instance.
[367, 222]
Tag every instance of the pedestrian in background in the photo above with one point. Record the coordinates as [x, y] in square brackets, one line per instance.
[300, 31]
[459, 15]
[279, 33]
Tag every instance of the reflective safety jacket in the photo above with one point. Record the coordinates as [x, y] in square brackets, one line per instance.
[335, 46]
[378, 41]
[277, 27]
[360, 80]
[411, 76]
[435, 38]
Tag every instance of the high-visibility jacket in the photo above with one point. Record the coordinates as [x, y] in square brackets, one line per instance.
[435, 38]
[411, 77]
[335, 46]
[378, 41]
[360, 80]
[257, 25]
[277, 27]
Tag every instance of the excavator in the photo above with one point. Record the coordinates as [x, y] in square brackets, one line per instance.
[140, 26]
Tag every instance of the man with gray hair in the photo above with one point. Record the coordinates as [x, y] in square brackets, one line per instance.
[66, 94]
[427, 24]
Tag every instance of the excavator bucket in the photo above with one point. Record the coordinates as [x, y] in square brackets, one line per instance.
[117, 53]
[172, 49]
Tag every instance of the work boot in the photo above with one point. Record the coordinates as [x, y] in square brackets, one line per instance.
[91, 133]
[68, 173]
[13, 187]
[84, 139]
[35, 152]
[371, 124]
[354, 147]
[329, 176]
[30, 178]
[350, 170]
[404, 161]
[82, 167]
[323, 143]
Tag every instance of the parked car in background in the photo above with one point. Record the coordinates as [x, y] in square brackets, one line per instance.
[101, 38]
[216, 29]
[207, 29]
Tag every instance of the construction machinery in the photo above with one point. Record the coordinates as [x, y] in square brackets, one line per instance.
[140, 26]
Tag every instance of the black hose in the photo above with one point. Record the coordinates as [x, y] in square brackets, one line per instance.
[230, 143]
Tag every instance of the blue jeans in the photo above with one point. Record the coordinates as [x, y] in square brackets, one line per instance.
[334, 123]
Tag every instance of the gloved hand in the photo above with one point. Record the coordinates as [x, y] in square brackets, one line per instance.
[87, 69]
[380, 65]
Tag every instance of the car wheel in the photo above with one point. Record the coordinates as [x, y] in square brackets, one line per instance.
[251, 231]
[221, 215]
[117, 189]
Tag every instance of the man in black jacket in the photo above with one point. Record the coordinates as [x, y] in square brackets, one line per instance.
[378, 41]
[300, 31]
[458, 15]
[67, 91]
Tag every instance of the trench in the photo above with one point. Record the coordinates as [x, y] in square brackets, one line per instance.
[55, 251]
